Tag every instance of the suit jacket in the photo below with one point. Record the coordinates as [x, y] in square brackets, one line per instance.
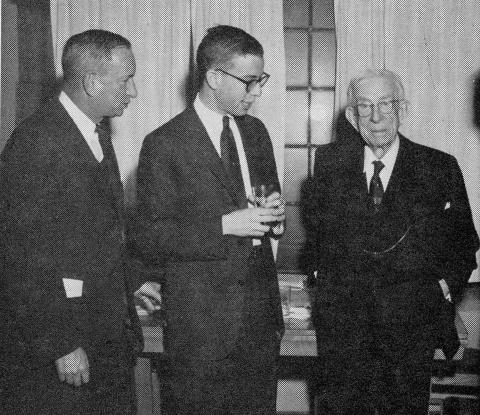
[392, 261]
[61, 216]
[183, 191]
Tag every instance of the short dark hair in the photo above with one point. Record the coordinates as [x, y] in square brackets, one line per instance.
[91, 46]
[221, 44]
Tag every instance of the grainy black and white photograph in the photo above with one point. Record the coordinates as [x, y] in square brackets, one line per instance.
[249, 207]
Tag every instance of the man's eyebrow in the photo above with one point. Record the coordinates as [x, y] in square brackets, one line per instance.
[384, 98]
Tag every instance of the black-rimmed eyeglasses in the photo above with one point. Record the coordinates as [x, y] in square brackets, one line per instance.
[250, 84]
[384, 107]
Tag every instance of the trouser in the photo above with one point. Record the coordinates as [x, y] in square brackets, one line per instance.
[243, 382]
[372, 368]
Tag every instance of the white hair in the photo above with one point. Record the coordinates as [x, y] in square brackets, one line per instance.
[399, 91]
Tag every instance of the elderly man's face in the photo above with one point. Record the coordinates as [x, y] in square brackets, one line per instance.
[378, 113]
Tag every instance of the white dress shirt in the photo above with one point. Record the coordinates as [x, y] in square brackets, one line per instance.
[213, 122]
[388, 160]
[84, 124]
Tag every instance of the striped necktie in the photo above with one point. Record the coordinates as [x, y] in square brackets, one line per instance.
[376, 187]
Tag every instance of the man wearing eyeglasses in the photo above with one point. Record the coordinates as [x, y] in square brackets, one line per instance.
[394, 244]
[221, 296]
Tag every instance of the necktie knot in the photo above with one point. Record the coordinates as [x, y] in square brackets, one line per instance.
[101, 128]
[377, 167]
[104, 139]
[226, 121]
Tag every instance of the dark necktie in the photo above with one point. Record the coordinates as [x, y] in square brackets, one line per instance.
[105, 141]
[109, 162]
[109, 159]
[376, 187]
[229, 154]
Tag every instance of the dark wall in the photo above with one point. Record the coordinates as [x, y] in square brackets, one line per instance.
[9, 70]
[28, 73]
[36, 81]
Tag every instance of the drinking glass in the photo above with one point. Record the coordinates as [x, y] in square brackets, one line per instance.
[260, 192]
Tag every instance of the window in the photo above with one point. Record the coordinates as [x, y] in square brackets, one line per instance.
[309, 27]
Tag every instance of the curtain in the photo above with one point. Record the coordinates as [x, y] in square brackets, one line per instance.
[161, 33]
[434, 48]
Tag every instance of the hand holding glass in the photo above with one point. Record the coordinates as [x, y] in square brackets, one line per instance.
[264, 195]
[260, 192]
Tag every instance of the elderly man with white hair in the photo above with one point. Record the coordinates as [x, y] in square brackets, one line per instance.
[393, 246]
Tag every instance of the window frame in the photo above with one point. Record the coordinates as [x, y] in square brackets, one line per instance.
[292, 252]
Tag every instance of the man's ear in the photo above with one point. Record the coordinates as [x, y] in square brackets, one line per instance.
[402, 110]
[351, 117]
[91, 84]
[212, 78]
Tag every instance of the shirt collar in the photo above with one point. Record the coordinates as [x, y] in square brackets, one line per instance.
[388, 159]
[213, 122]
[208, 116]
[84, 124]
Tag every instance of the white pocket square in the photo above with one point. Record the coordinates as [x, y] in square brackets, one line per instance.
[73, 288]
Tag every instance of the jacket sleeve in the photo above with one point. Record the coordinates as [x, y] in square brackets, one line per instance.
[47, 324]
[459, 240]
[315, 257]
[442, 241]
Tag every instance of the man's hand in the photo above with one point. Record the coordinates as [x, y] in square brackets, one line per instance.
[254, 222]
[275, 200]
[74, 368]
[149, 293]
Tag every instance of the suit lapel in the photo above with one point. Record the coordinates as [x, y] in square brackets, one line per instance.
[77, 148]
[347, 194]
[261, 164]
[75, 145]
[203, 147]
[395, 215]
[399, 195]
[253, 153]
[357, 188]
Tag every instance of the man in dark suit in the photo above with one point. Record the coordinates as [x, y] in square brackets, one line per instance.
[221, 296]
[69, 327]
[393, 246]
